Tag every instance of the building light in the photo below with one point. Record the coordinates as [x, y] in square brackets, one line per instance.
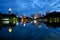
[22, 20]
[5, 19]
[50, 21]
[14, 22]
[5, 22]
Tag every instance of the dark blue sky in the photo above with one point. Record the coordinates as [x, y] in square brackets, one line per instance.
[29, 6]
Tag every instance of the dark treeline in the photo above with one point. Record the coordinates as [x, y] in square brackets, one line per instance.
[52, 14]
[48, 14]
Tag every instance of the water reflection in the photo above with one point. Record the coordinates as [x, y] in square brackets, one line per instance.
[53, 24]
[30, 32]
[10, 29]
[35, 22]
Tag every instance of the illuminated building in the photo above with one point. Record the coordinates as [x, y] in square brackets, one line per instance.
[10, 11]
[37, 16]
[8, 20]
[24, 19]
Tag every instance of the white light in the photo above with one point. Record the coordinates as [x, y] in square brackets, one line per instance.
[35, 21]
[17, 23]
[5, 22]
[39, 26]
[31, 21]
[10, 9]
[24, 24]
[5, 19]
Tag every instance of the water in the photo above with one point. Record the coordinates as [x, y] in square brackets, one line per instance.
[30, 32]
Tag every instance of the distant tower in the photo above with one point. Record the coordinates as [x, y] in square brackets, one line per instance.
[10, 11]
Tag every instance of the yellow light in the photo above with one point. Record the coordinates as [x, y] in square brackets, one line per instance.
[22, 19]
[14, 22]
[10, 29]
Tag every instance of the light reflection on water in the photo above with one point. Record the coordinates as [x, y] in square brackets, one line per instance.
[31, 32]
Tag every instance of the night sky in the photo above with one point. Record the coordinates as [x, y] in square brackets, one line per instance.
[29, 6]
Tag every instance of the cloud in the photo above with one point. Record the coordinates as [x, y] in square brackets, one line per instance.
[56, 6]
[54, 3]
[38, 5]
[32, 4]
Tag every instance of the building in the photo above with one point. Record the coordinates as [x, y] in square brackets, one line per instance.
[37, 15]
